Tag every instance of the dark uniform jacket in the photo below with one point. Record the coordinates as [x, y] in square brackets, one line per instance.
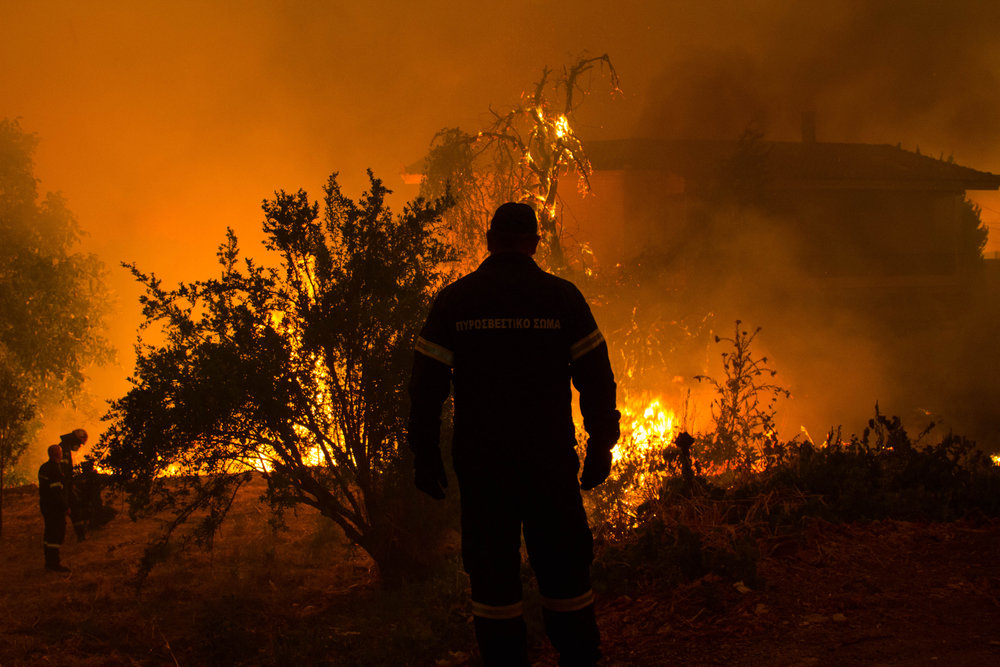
[52, 489]
[67, 470]
[511, 337]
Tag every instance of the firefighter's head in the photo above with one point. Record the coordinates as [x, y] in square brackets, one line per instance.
[74, 440]
[55, 453]
[514, 228]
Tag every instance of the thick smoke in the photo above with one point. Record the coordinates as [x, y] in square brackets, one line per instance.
[165, 123]
[922, 74]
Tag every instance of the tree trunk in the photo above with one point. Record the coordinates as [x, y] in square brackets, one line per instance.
[407, 539]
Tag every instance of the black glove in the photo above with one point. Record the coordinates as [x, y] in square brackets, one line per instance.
[596, 467]
[429, 475]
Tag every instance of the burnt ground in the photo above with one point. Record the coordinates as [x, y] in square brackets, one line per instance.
[885, 593]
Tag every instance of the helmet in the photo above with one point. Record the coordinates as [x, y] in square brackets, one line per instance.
[73, 439]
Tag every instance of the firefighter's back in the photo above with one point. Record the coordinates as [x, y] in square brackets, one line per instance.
[512, 328]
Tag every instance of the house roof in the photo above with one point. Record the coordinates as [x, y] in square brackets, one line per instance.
[792, 165]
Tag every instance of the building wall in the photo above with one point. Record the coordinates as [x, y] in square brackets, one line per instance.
[874, 232]
[651, 217]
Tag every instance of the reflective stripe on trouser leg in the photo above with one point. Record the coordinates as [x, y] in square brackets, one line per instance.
[561, 550]
[569, 604]
[55, 528]
[497, 612]
[491, 554]
[491, 548]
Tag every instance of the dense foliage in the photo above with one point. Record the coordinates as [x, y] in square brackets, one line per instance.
[295, 372]
[53, 301]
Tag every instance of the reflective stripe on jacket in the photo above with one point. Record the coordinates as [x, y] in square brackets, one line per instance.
[510, 338]
[52, 488]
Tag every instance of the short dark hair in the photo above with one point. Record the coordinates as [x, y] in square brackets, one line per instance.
[514, 226]
[514, 218]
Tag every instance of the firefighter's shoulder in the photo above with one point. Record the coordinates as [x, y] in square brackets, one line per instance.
[568, 291]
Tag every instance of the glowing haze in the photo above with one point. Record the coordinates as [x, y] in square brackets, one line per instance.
[165, 122]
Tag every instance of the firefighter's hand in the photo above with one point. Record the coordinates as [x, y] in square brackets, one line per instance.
[596, 467]
[430, 477]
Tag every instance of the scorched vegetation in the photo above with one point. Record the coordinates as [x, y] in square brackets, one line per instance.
[294, 372]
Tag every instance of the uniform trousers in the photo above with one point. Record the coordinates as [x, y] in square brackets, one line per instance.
[54, 535]
[500, 501]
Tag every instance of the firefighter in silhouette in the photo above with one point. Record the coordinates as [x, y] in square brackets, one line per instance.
[88, 486]
[511, 338]
[71, 442]
[52, 496]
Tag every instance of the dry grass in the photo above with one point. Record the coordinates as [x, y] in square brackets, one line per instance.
[259, 597]
[305, 597]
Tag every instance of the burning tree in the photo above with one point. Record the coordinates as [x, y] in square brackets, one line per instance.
[295, 372]
[520, 156]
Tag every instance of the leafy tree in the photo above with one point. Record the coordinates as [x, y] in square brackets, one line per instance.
[295, 371]
[16, 425]
[520, 156]
[52, 300]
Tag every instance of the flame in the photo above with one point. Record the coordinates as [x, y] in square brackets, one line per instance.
[638, 463]
[562, 126]
[644, 435]
[258, 456]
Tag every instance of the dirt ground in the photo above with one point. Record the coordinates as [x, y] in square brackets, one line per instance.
[888, 593]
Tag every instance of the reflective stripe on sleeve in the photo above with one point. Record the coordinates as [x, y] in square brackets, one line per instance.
[51, 545]
[55, 485]
[434, 351]
[585, 344]
[570, 604]
[497, 612]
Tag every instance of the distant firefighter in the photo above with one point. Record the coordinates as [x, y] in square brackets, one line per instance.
[71, 442]
[89, 485]
[52, 496]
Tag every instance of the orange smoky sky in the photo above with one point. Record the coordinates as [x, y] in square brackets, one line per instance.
[165, 122]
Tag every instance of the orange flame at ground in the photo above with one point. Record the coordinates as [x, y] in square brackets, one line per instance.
[646, 434]
[638, 468]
